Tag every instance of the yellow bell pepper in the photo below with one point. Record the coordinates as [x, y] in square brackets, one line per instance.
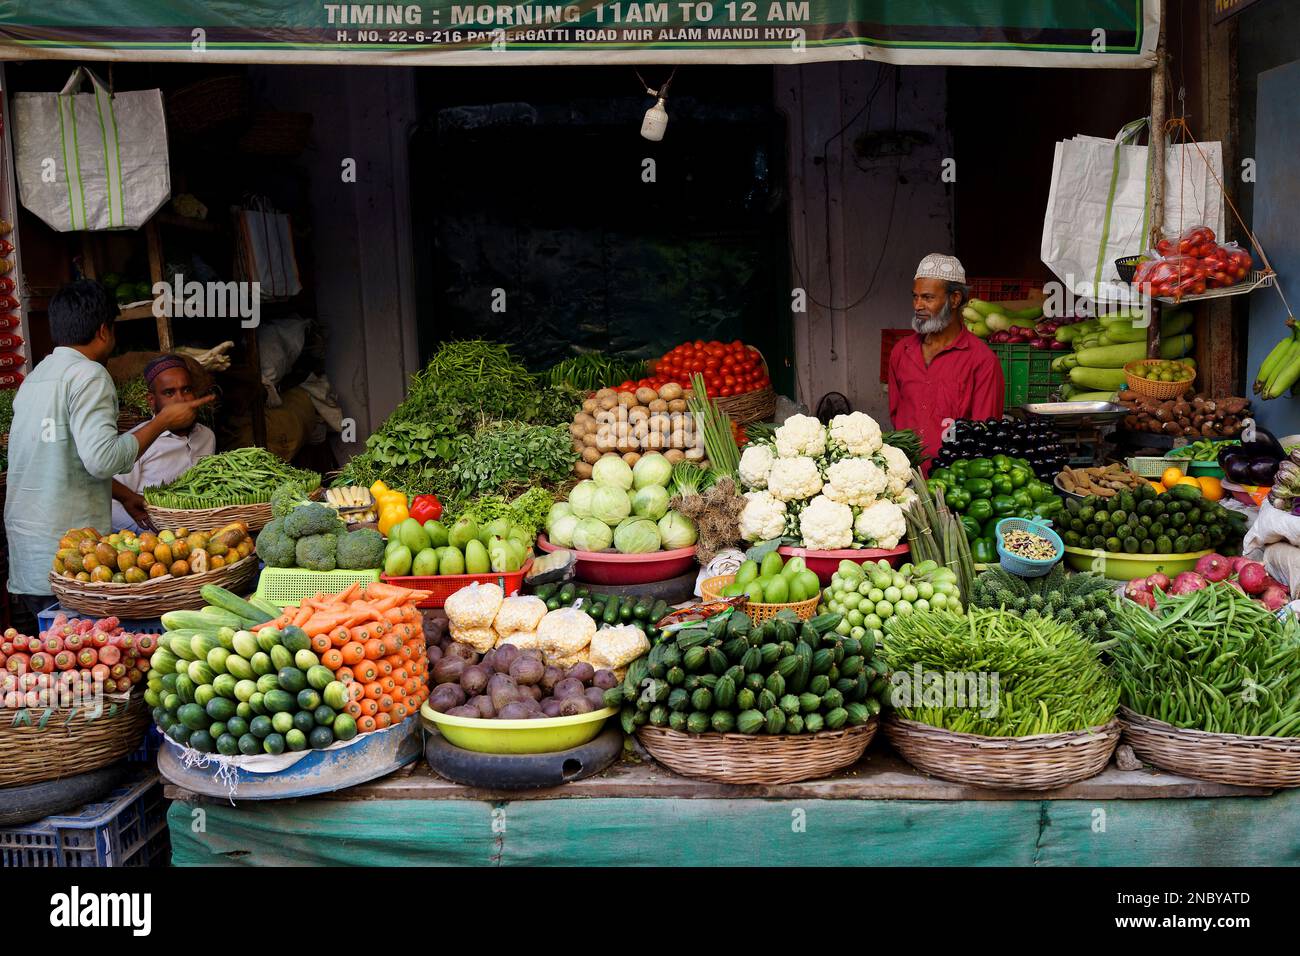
[377, 489]
[386, 498]
[393, 514]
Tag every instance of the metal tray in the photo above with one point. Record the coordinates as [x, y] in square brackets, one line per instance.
[1078, 412]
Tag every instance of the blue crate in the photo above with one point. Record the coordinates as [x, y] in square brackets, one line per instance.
[142, 625]
[147, 752]
[126, 828]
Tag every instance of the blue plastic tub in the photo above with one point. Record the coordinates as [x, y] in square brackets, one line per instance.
[1028, 567]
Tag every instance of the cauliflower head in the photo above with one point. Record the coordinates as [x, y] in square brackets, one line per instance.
[904, 498]
[801, 435]
[856, 433]
[855, 481]
[897, 466]
[763, 517]
[826, 525]
[880, 525]
[755, 463]
[793, 479]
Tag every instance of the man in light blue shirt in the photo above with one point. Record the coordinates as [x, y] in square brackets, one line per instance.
[64, 448]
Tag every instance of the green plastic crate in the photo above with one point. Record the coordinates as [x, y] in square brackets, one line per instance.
[1028, 373]
[284, 586]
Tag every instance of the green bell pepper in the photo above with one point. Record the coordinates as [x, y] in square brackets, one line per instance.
[1001, 484]
[1003, 505]
[1001, 464]
[979, 468]
[936, 483]
[1040, 490]
[980, 509]
[978, 487]
[1022, 499]
[959, 468]
[990, 528]
[984, 551]
[958, 499]
[942, 474]
[1019, 476]
[971, 526]
[1048, 509]
[1023, 513]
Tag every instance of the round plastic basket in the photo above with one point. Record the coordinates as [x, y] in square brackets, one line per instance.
[1028, 567]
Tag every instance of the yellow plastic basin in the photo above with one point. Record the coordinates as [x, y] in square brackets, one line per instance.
[1121, 566]
[540, 736]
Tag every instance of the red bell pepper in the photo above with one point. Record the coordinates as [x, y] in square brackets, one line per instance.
[425, 508]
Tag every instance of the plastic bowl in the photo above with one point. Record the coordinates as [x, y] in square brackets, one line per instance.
[609, 567]
[825, 563]
[540, 736]
[1125, 567]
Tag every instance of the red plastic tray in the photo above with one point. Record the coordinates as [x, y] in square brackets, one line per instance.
[611, 568]
[444, 586]
[825, 563]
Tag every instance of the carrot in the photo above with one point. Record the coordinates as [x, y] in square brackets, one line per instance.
[366, 723]
[332, 658]
[353, 709]
[353, 653]
[374, 649]
[399, 712]
[374, 690]
[396, 615]
[382, 720]
[303, 615]
[385, 702]
[350, 593]
[340, 636]
[366, 672]
[379, 589]
[344, 675]
[320, 643]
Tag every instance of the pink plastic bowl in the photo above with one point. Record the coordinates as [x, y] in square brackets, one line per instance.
[825, 563]
[609, 567]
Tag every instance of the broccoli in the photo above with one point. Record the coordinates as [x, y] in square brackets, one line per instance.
[311, 518]
[316, 552]
[275, 547]
[287, 497]
[361, 549]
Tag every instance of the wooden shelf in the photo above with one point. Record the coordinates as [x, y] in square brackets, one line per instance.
[184, 222]
[136, 312]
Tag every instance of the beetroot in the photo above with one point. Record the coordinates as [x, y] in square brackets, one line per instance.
[1214, 567]
[1253, 577]
[1187, 582]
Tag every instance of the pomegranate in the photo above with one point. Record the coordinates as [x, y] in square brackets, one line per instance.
[1253, 577]
[1187, 582]
[1214, 567]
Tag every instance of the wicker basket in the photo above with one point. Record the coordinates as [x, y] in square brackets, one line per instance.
[256, 517]
[277, 134]
[1223, 758]
[711, 590]
[756, 406]
[757, 758]
[41, 744]
[1040, 762]
[1157, 390]
[207, 104]
[154, 597]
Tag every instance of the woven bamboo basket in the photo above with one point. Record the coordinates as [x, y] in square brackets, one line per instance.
[757, 758]
[46, 744]
[207, 104]
[276, 134]
[711, 590]
[756, 406]
[154, 597]
[1160, 391]
[256, 517]
[1040, 762]
[1222, 758]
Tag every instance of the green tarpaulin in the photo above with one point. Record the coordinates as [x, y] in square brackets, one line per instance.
[1051, 33]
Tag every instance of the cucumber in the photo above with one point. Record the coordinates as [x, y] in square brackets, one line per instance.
[553, 603]
[219, 597]
[544, 591]
[209, 619]
[659, 610]
[596, 610]
[641, 610]
[611, 610]
[722, 722]
[265, 606]
[697, 723]
[625, 611]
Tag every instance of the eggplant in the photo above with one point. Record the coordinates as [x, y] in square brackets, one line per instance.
[1233, 458]
[1261, 471]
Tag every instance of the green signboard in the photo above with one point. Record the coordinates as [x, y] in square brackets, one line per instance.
[1067, 33]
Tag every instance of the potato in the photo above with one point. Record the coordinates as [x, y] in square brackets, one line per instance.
[589, 441]
[590, 406]
[674, 455]
[576, 430]
[578, 446]
[677, 406]
[606, 442]
[608, 402]
[657, 441]
[638, 414]
[658, 405]
[694, 453]
[641, 428]
[677, 439]
[632, 458]
[645, 396]
[590, 455]
[670, 392]
[606, 393]
[626, 399]
[582, 470]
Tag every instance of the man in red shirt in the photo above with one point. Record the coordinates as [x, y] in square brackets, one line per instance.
[942, 373]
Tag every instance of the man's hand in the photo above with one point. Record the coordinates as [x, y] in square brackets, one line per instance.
[181, 415]
[134, 505]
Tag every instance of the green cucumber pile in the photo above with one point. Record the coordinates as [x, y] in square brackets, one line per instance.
[217, 687]
[729, 675]
[643, 611]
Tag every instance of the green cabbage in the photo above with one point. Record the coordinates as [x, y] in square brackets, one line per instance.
[650, 502]
[561, 531]
[592, 534]
[610, 505]
[580, 498]
[558, 510]
[613, 472]
[676, 530]
[636, 536]
[652, 469]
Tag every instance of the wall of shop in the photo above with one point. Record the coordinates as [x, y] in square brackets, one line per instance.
[864, 210]
[360, 230]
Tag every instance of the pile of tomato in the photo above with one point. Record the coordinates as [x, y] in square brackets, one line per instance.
[729, 368]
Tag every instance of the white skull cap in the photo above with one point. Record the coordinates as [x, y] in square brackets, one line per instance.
[937, 266]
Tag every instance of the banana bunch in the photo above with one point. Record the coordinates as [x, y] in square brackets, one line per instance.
[1281, 369]
[354, 503]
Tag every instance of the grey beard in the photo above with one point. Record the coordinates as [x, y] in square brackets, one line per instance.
[932, 324]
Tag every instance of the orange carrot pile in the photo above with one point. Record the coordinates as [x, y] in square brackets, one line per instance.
[373, 641]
